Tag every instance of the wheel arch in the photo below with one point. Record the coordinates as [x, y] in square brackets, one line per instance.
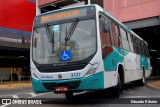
[143, 71]
[121, 74]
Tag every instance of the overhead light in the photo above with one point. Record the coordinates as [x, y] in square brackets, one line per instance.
[93, 69]
[53, 5]
[21, 56]
[153, 50]
[45, 10]
[77, 1]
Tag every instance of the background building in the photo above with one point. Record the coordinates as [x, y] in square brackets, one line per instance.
[16, 19]
[142, 16]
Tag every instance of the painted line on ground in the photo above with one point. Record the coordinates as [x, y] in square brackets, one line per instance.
[155, 96]
[15, 96]
[34, 95]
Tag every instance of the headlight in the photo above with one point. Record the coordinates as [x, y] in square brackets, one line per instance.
[35, 76]
[93, 69]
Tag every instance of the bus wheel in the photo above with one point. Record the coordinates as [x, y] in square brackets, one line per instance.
[69, 95]
[141, 82]
[117, 89]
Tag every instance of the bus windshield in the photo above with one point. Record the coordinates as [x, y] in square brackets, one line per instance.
[80, 45]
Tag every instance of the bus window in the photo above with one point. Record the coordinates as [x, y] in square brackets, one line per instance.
[105, 37]
[115, 34]
[141, 48]
[134, 40]
[123, 33]
[145, 50]
[138, 45]
[124, 39]
[130, 43]
[148, 52]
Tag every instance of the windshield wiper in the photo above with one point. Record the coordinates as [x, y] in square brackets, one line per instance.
[50, 36]
[35, 39]
[71, 30]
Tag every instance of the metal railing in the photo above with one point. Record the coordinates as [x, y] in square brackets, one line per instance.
[24, 77]
[20, 78]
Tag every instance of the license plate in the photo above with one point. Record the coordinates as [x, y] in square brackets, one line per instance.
[61, 89]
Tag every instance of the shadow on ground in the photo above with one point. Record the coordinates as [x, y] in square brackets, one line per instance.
[98, 97]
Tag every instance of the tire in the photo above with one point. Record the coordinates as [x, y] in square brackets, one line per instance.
[69, 95]
[141, 82]
[117, 89]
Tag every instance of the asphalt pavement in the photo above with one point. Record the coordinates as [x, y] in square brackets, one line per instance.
[85, 99]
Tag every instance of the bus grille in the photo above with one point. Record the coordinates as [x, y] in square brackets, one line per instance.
[62, 68]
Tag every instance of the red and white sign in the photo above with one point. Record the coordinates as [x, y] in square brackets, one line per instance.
[61, 89]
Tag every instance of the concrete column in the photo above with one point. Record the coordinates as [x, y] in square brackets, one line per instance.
[38, 11]
[89, 1]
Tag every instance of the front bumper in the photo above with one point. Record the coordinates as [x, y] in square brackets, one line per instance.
[93, 82]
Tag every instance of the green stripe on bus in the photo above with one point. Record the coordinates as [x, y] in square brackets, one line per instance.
[117, 56]
[144, 62]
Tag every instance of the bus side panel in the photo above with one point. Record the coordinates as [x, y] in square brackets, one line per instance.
[110, 66]
[130, 67]
[145, 62]
[150, 69]
[110, 79]
[139, 71]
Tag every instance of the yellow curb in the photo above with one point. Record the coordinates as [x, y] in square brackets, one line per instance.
[15, 85]
[155, 84]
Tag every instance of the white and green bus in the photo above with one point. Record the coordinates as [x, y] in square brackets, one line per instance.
[84, 48]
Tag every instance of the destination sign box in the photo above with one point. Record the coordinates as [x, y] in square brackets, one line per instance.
[64, 14]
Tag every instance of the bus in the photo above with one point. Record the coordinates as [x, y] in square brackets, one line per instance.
[84, 48]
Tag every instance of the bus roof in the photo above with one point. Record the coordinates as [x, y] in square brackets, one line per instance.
[105, 12]
[121, 24]
[66, 8]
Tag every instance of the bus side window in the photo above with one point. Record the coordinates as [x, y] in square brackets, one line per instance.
[105, 37]
[138, 46]
[124, 39]
[141, 48]
[134, 44]
[130, 43]
[115, 34]
[148, 52]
